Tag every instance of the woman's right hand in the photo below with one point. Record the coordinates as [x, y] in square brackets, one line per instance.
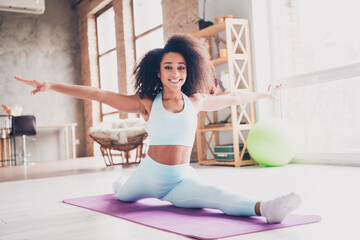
[38, 85]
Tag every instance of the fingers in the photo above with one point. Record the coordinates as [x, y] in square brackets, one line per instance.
[32, 83]
[21, 79]
[277, 87]
[273, 92]
[28, 82]
[33, 92]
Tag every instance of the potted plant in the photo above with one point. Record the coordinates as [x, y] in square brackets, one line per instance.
[202, 23]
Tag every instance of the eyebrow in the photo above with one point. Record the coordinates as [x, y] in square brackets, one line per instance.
[172, 63]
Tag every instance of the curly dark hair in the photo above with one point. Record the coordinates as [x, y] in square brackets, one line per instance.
[200, 71]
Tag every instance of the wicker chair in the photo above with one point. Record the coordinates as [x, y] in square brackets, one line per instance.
[110, 136]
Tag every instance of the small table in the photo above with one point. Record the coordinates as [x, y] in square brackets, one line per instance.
[65, 126]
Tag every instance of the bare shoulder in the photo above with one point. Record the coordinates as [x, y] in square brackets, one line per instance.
[196, 97]
[197, 100]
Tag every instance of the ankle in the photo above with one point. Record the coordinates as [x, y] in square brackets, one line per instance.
[277, 209]
[257, 208]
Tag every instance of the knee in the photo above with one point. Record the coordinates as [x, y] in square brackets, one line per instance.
[124, 198]
[119, 183]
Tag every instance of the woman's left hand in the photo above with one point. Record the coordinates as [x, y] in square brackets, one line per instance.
[273, 92]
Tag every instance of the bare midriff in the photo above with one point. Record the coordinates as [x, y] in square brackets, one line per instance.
[170, 154]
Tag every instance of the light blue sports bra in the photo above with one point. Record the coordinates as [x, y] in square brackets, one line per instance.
[166, 128]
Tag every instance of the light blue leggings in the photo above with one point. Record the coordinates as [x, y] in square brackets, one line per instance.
[180, 185]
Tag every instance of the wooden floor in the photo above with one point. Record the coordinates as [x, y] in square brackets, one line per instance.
[31, 207]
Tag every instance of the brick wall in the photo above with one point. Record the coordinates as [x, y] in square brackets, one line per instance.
[180, 16]
[184, 21]
[89, 66]
[124, 45]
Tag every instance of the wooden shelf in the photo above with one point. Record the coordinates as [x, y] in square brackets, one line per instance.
[207, 135]
[223, 127]
[216, 28]
[214, 162]
[210, 31]
[210, 129]
[219, 61]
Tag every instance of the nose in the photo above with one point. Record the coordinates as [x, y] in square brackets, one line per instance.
[175, 73]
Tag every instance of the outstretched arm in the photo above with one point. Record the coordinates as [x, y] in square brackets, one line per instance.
[213, 103]
[130, 104]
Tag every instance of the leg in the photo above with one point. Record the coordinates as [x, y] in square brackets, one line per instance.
[196, 193]
[141, 185]
[150, 179]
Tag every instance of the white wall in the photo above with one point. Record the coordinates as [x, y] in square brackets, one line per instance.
[44, 47]
[238, 8]
[261, 50]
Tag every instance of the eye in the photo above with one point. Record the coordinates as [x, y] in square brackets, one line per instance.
[167, 67]
[181, 68]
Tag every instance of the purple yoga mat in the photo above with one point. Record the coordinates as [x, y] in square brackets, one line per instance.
[197, 223]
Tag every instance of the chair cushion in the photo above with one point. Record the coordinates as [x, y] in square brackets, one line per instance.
[24, 125]
[119, 130]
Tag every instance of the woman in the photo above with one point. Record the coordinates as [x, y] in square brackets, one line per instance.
[171, 88]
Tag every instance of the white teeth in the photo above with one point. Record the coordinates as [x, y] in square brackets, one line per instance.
[175, 81]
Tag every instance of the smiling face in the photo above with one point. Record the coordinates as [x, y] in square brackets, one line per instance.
[172, 71]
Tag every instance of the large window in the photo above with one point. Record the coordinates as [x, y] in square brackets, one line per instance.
[313, 35]
[148, 28]
[107, 57]
[316, 55]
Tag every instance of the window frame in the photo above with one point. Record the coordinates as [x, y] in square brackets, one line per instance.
[96, 15]
[343, 72]
[143, 34]
[307, 78]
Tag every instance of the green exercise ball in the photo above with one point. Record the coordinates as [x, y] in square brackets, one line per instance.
[272, 142]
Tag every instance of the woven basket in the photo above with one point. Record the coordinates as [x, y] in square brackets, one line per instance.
[132, 143]
[107, 144]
